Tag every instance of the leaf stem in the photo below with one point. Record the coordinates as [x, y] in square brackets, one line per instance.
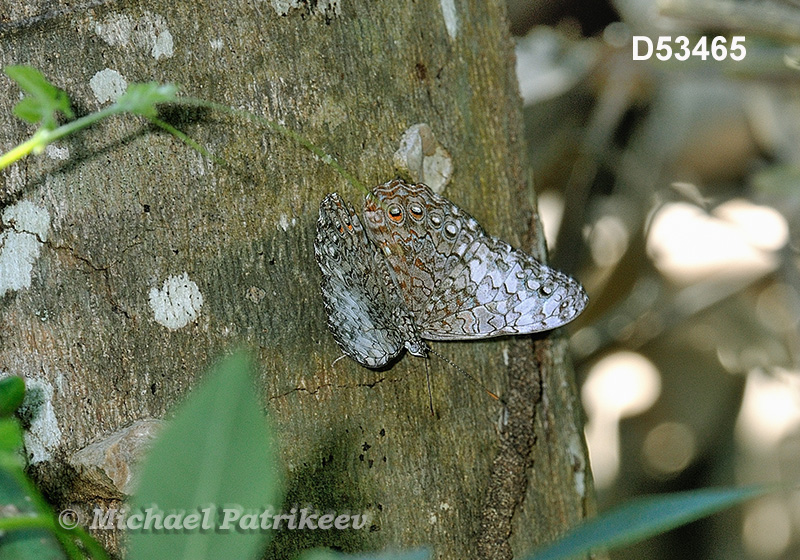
[42, 137]
[282, 130]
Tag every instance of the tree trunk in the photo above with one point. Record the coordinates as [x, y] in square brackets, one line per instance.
[145, 261]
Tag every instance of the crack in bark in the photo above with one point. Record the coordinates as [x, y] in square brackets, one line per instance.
[508, 478]
[104, 271]
[75, 255]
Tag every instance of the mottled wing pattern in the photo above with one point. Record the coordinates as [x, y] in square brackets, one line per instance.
[422, 235]
[500, 291]
[365, 311]
[458, 282]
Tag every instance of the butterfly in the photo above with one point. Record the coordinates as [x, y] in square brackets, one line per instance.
[420, 268]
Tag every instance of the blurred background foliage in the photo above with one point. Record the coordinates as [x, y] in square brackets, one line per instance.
[672, 191]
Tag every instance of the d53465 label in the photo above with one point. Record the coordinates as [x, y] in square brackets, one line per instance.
[680, 48]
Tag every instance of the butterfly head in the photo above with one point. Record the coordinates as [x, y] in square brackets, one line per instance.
[416, 347]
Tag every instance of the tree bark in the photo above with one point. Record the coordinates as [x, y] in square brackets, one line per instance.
[108, 324]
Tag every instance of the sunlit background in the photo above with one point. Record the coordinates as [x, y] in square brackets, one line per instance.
[672, 191]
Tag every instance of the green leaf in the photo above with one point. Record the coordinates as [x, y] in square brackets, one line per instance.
[216, 453]
[325, 554]
[24, 544]
[643, 518]
[141, 99]
[10, 437]
[44, 99]
[12, 392]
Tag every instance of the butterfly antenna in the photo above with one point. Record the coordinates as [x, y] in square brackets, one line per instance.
[468, 376]
[430, 393]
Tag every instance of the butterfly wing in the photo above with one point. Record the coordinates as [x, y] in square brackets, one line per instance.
[458, 282]
[421, 234]
[365, 313]
[498, 291]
